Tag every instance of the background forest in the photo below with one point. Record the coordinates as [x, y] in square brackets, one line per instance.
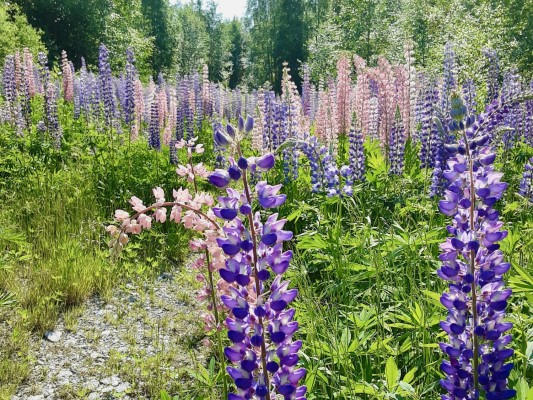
[177, 38]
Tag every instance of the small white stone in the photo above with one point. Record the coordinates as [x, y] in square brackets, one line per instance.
[53, 336]
[122, 387]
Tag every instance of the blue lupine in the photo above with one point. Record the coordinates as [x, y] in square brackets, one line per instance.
[356, 154]
[106, 84]
[260, 328]
[449, 81]
[397, 145]
[154, 139]
[129, 101]
[50, 102]
[526, 184]
[473, 264]
[493, 76]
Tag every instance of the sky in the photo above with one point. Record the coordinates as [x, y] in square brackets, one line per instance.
[228, 8]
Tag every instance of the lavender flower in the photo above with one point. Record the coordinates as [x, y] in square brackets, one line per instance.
[473, 264]
[397, 145]
[356, 154]
[260, 328]
[526, 184]
[154, 140]
[106, 84]
[129, 101]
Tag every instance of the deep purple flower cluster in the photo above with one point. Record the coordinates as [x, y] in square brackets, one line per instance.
[260, 327]
[356, 154]
[129, 93]
[396, 145]
[526, 184]
[154, 138]
[493, 76]
[473, 264]
[106, 84]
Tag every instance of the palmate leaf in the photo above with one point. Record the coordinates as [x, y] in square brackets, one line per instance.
[523, 283]
[7, 299]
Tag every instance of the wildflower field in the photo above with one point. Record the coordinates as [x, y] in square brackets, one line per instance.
[365, 235]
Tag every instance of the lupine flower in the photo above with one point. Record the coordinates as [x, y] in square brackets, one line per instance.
[154, 140]
[474, 266]
[68, 78]
[356, 154]
[106, 84]
[397, 145]
[526, 184]
[263, 353]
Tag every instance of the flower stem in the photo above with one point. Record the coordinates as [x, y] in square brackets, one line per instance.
[473, 266]
[257, 283]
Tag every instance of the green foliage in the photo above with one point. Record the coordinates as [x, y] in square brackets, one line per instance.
[16, 33]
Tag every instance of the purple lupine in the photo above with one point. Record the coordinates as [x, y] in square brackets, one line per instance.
[469, 95]
[50, 103]
[154, 138]
[198, 106]
[397, 145]
[428, 135]
[10, 85]
[268, 119]
[306, 92]
[493, 76]
[129, 101]
[106, 85]
[526, 184]
[528, 113]
[260, 328]
[313, 150]
[511, 88]
[473, 264]
[449, 79]
[356, 154]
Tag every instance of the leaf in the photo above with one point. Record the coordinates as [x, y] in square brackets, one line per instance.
[362, 388]
[391, 373]
[522, 389]
[433, 297]
[406, 387]
[410, 376]
[165, 395]
[522, 284]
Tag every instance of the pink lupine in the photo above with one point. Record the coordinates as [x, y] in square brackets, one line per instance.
[28, 71]
[68, 79]
[343, 94]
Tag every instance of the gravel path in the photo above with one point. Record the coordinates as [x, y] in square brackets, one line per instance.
[130, 347]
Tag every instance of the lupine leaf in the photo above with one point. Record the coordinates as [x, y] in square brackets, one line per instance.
[391, 373]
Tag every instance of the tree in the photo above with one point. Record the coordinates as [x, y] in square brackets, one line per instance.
[16, 33]
[236, 38]
[158, 21]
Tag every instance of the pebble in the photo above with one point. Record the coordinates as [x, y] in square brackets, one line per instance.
[53, 336]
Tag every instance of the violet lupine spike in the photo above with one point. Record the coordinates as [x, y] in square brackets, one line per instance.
[9, 84]
[106, 84]
[526, 184]
[428, 135]
[306, 92]
[473, 264]
[154, 139]
[493, 76]
[356, 154]
[397, 145]
[469, 95]
[260, 327]
[449, 77]
[129, 102]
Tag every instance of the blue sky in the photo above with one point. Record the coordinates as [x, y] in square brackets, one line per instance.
[228, 8]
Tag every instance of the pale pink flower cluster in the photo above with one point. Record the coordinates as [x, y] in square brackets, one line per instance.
[27, 71]
[191, 171]
[343, 94]
[68, 78]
